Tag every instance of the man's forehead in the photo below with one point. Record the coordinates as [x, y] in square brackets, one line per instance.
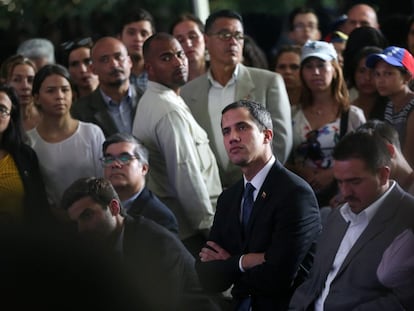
[79, 206]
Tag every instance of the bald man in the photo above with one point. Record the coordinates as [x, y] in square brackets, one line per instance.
[113, 104]
[360, 15]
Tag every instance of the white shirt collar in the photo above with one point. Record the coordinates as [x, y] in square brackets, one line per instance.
[231, 81]
[258, 180]
[368, 212]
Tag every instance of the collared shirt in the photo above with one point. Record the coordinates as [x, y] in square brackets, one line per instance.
[139, 81]
[219, 97]
[257, 182]
[357, 224]
[121, 113]
[180, 152]
[128, 202]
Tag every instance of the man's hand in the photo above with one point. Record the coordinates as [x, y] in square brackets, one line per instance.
[213, 251]
[251, 260]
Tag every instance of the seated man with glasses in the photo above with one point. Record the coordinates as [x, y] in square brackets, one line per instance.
[125, 162]
[76, 56]
[228, 80]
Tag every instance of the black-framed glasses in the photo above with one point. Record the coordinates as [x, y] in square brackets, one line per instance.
[68, 45]
[301, 27]
[123, 159]
[227, 35]
[4, 112]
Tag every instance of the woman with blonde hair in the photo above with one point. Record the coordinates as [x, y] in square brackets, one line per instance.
[20, 75]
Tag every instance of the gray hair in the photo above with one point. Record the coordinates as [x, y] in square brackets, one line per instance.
[37, 47]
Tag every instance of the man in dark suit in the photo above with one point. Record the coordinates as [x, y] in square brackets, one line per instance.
[356, 234]
[155, 264]
[113, 104]
[228, 80]
[261, 256]
[125, 162]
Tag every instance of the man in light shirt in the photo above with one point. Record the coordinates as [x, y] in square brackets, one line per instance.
[184, 173]
[357, 233]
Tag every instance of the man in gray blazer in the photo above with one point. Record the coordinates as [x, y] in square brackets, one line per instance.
[226, 81]
[356, 234]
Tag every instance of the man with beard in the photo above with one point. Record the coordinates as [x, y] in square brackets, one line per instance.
[357, 233]
[113, 104]
[184, 173]
[157, 270]
[135, 27]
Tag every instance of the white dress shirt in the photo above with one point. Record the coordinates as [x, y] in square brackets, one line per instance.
[357, 224]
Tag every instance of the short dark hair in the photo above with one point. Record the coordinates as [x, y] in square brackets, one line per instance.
[12, 137]
[48, 70]
[187, 17]
[349, 74]
[297, 11]
[286, 49]
[220, 14]
[383, 129]
[99, 190]
[140, 151]
[136, 15]
[68, 47]
[258, 113]
[366, 146]
[157, 36]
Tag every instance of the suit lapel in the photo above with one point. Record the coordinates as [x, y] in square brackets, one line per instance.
[375, 227]
[265, 193]
[102, 115]
[245, 84]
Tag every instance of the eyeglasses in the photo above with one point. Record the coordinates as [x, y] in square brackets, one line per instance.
[76, 43]
[123, 159]
[226, 35]
[301, 27]
[4, 112]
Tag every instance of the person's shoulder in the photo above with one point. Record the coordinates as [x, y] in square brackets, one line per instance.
[149, 234]
[192, 87]
[196, 81]
[24, 152]
[287, 179]
[259, 72]
[89, 128]
[85, 103]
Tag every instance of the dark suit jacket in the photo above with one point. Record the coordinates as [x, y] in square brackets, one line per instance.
[262, 86]
[356, 286]
[36, 206]
[160, 268]
[92, 108]
[284, 224]
[149, 206]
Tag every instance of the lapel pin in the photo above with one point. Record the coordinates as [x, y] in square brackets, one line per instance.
[263, 195]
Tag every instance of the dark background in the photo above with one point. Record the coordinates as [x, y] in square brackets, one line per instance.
[265, 20]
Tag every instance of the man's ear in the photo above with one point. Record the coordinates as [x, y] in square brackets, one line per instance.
[144, 168]
[114, 207]
[268, 135]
